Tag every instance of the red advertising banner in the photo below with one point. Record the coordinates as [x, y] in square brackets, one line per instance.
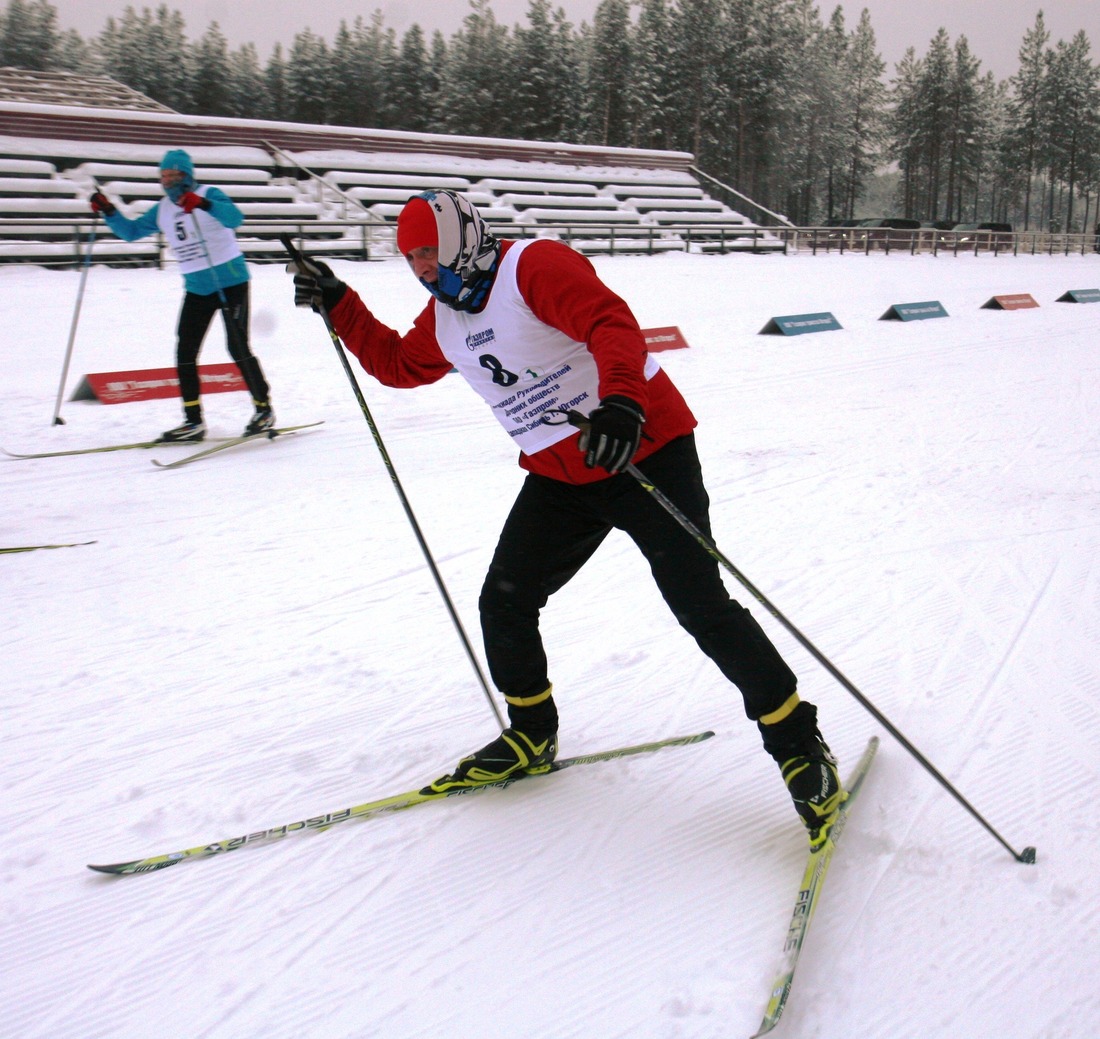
[1021, 301]
[155, 383]
[658, 339]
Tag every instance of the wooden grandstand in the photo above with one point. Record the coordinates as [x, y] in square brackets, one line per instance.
[337, 190]
[72, 88]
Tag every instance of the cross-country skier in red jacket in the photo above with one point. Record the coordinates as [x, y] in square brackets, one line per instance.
[532, 329]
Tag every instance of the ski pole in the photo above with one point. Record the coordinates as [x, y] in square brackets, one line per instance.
[296, 256]
[231, 329]
[575, 418]
[57, 419]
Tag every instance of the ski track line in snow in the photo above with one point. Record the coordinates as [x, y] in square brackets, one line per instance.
[933, 476]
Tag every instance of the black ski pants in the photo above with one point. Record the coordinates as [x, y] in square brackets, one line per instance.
[195, 316]
[554, 528]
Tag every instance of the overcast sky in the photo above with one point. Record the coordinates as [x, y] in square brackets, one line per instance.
[994, 28]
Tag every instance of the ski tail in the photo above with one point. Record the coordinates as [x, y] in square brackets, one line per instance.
[265, 434]
[813, 879]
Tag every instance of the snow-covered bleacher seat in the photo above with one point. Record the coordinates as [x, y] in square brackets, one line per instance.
[368, 195]
[36, 187]
[530, 187]
[101, 172]
[525, 201]
[687, 206]
[27, 168]
[411, 183]
[624, 191]
[567, 217]
[130, 190]
[388, 211]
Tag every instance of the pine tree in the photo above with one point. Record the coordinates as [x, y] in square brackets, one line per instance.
[149, 54]
[1028, 108]
[607, 74]
[246, 94]
[410, 88]
[210, 74]
[75, 54]
[362, 60]
[866, 97]
[816, 114]
[1073, 99]
[905, 139]
[699, 45]
[362, 71]
[29, 37]
[649, 85]
[475, 80]
[965, 120]
[276, 100]
[537, 112]
[993, 188]
[933, 126]
[308, 73]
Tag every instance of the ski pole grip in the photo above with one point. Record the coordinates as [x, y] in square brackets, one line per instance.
[290, 247]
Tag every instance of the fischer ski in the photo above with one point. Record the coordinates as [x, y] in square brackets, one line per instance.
[395, 803]
[90, 450]
[813, 879]
[137, 445]
[35, 548]
[267, 434]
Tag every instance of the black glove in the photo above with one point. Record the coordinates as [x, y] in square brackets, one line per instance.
[100, 203]
[614, 430]
[315, 285]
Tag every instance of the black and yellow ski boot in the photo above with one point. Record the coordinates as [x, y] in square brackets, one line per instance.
[510, 753]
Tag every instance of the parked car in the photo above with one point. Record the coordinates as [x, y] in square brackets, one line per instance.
[982, 235]
[841, 231]
[888, 231]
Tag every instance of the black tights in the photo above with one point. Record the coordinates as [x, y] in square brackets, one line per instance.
[554, 528]
[195, 316]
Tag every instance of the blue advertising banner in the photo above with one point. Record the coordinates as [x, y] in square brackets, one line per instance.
[800, 324]
[914, 311]
[1080, 296]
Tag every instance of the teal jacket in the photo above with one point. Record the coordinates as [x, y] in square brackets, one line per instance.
[204, 282]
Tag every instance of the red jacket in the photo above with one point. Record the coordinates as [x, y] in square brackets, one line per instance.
[563, 290]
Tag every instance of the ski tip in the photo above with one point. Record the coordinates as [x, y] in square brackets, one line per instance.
[117, 869]
[121, 869]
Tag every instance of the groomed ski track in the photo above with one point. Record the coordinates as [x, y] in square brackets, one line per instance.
[252, 640]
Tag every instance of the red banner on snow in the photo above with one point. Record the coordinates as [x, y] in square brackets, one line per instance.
[1021, 301]
[658, 339]
[155, 383]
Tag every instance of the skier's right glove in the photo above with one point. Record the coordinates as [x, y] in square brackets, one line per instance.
[613, 434]
[315, 285]
[100, 203]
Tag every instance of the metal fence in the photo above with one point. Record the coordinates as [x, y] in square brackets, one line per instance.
[930, 241]
[63, 242]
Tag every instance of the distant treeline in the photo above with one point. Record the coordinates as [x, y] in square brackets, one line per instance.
[794, 112]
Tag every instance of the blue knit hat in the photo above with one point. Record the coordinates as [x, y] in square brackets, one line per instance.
[178, 159]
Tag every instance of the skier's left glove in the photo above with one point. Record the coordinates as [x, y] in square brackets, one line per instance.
[190, 202]
[315, 285]
[614, 431]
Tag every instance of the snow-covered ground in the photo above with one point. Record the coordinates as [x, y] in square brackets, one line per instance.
[256, 639]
